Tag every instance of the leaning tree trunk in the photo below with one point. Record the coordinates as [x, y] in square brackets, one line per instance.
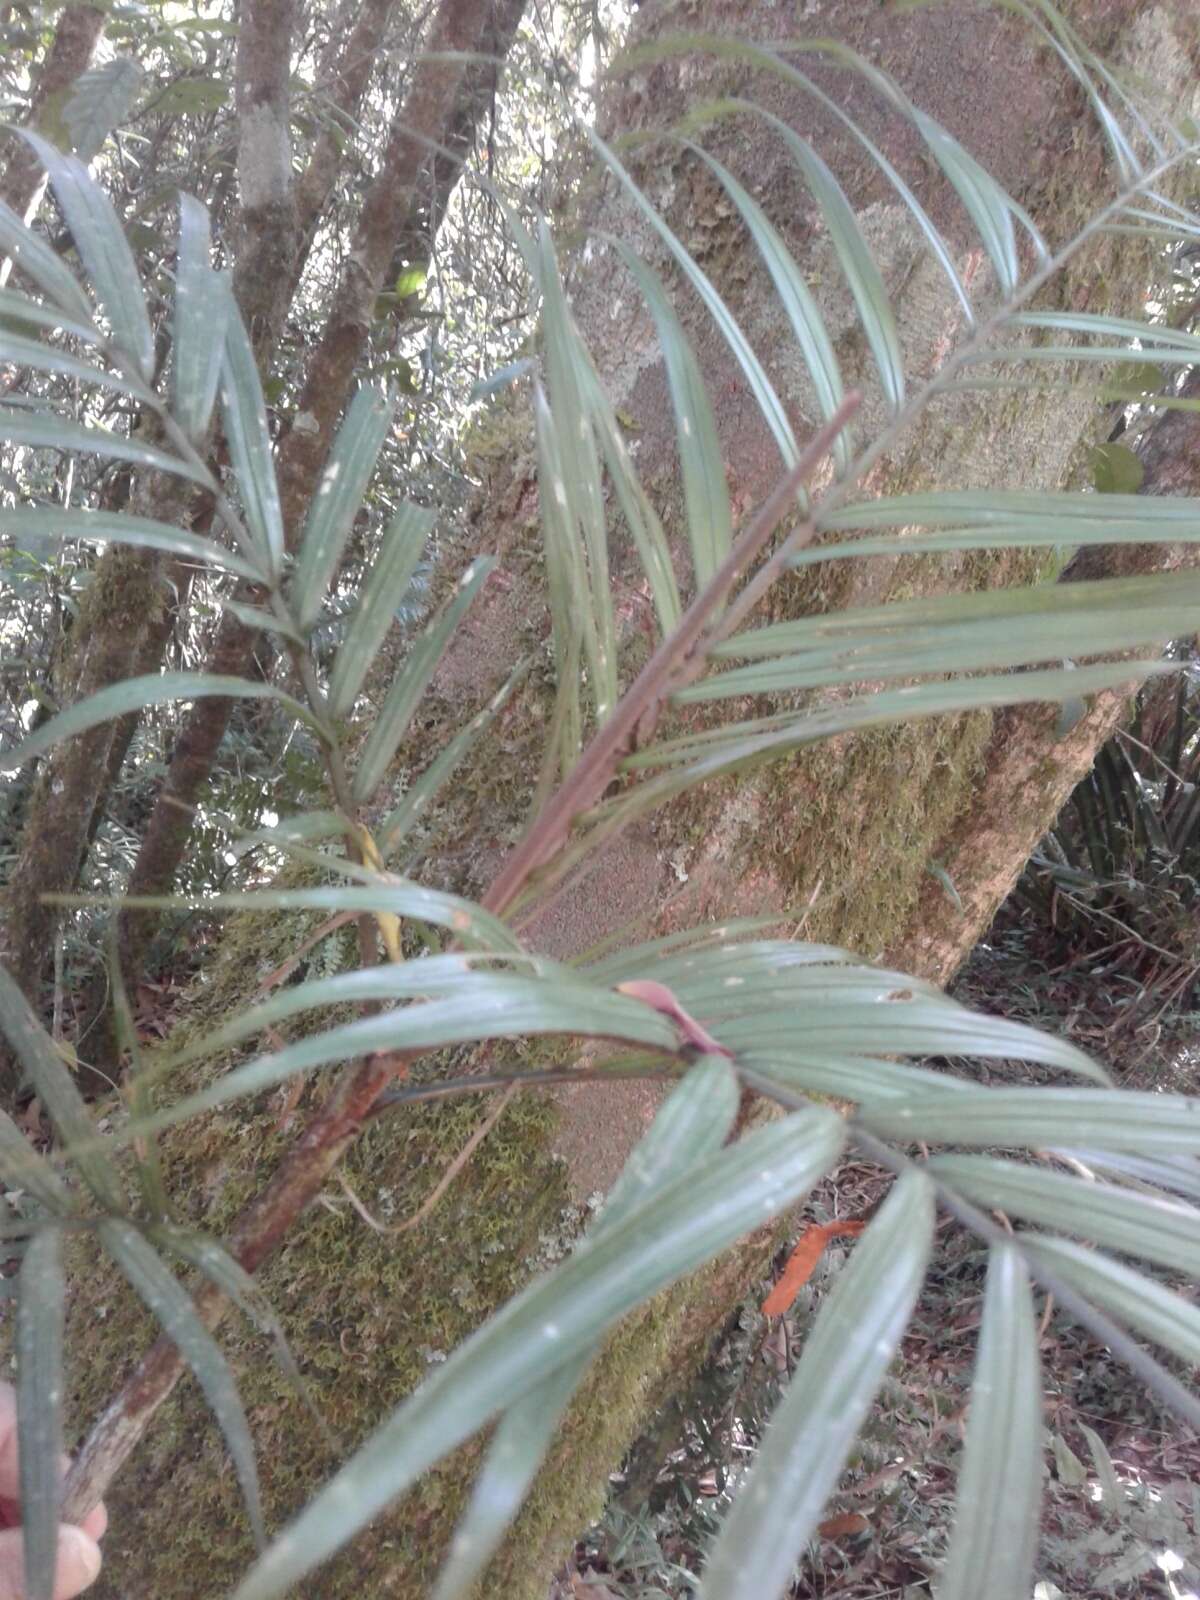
[849, 834]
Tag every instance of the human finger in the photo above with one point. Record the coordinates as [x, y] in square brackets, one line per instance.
[10, 1483]
[78, 1563]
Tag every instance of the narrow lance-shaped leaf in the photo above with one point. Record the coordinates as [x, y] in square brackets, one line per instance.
[765, 396]
[961, 634]
[566, 586]
[745, 746]
[1149, 1226]
[244, 418]
[104, 249]
[500, 1006]
[796, 299]
[22, 1167]
[1140, 1302]
[39, 1344]
[146, 1151]
[1150, 334]
[781, 1074]
[424, 790]
[846, 1356]
[107, 527]
[608, 964]
[412, 680]
[53, 1083]
[35, 258]
[643, 522]
[258, 617]
[19, 351]
[202, 304]
[15, 307]
[999, 1486]
[854, 256]
[772, 61]
[468, 975]
[705, 491]
[899, 625]
[337, 500]
[302, 828]
[386, 585]
[691, 1125]
[135, 694]
[1177, 1175]
[1118, 354]
[223, 1269]
[172, 1306]
[986, 203]
[369, 891]
[1161, 516]
[578, 477]
[552, 1322]
[46, 430]
[99, 100]
[1062, 41]
[1048, 1118]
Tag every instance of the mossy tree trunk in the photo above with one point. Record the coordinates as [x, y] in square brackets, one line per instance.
[856, 833]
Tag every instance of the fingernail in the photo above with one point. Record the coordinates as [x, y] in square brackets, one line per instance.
[78, 1553]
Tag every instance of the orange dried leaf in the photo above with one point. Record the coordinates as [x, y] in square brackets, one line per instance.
[849, 1525]
[803, 1260]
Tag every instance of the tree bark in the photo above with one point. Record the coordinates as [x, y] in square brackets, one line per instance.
[79, 28]
[847, 833]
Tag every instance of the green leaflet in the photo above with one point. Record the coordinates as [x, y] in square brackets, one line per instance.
[39, 1349]
[692, 1123]
[386, 585]
[999, 1486]
[20, 351]
[573, 481]
[337, 500]
[65, 1106]
[244, 418]
[706, 493]
[135, 694]
[37, 260]
[399, 823]
[772, 408]
[48, 431]
[1156, 1229]
[1149, 1124]
[173, 1308]
[412, 679]
[203, 300]
[847, 1353]
[103, 249]
[15, 307]
[108, 527]
[796, 298]
[551, 1323]
[23, 1168]
[1138, 1301]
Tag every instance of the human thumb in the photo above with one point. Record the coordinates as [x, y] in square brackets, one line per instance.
[78, 1563]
